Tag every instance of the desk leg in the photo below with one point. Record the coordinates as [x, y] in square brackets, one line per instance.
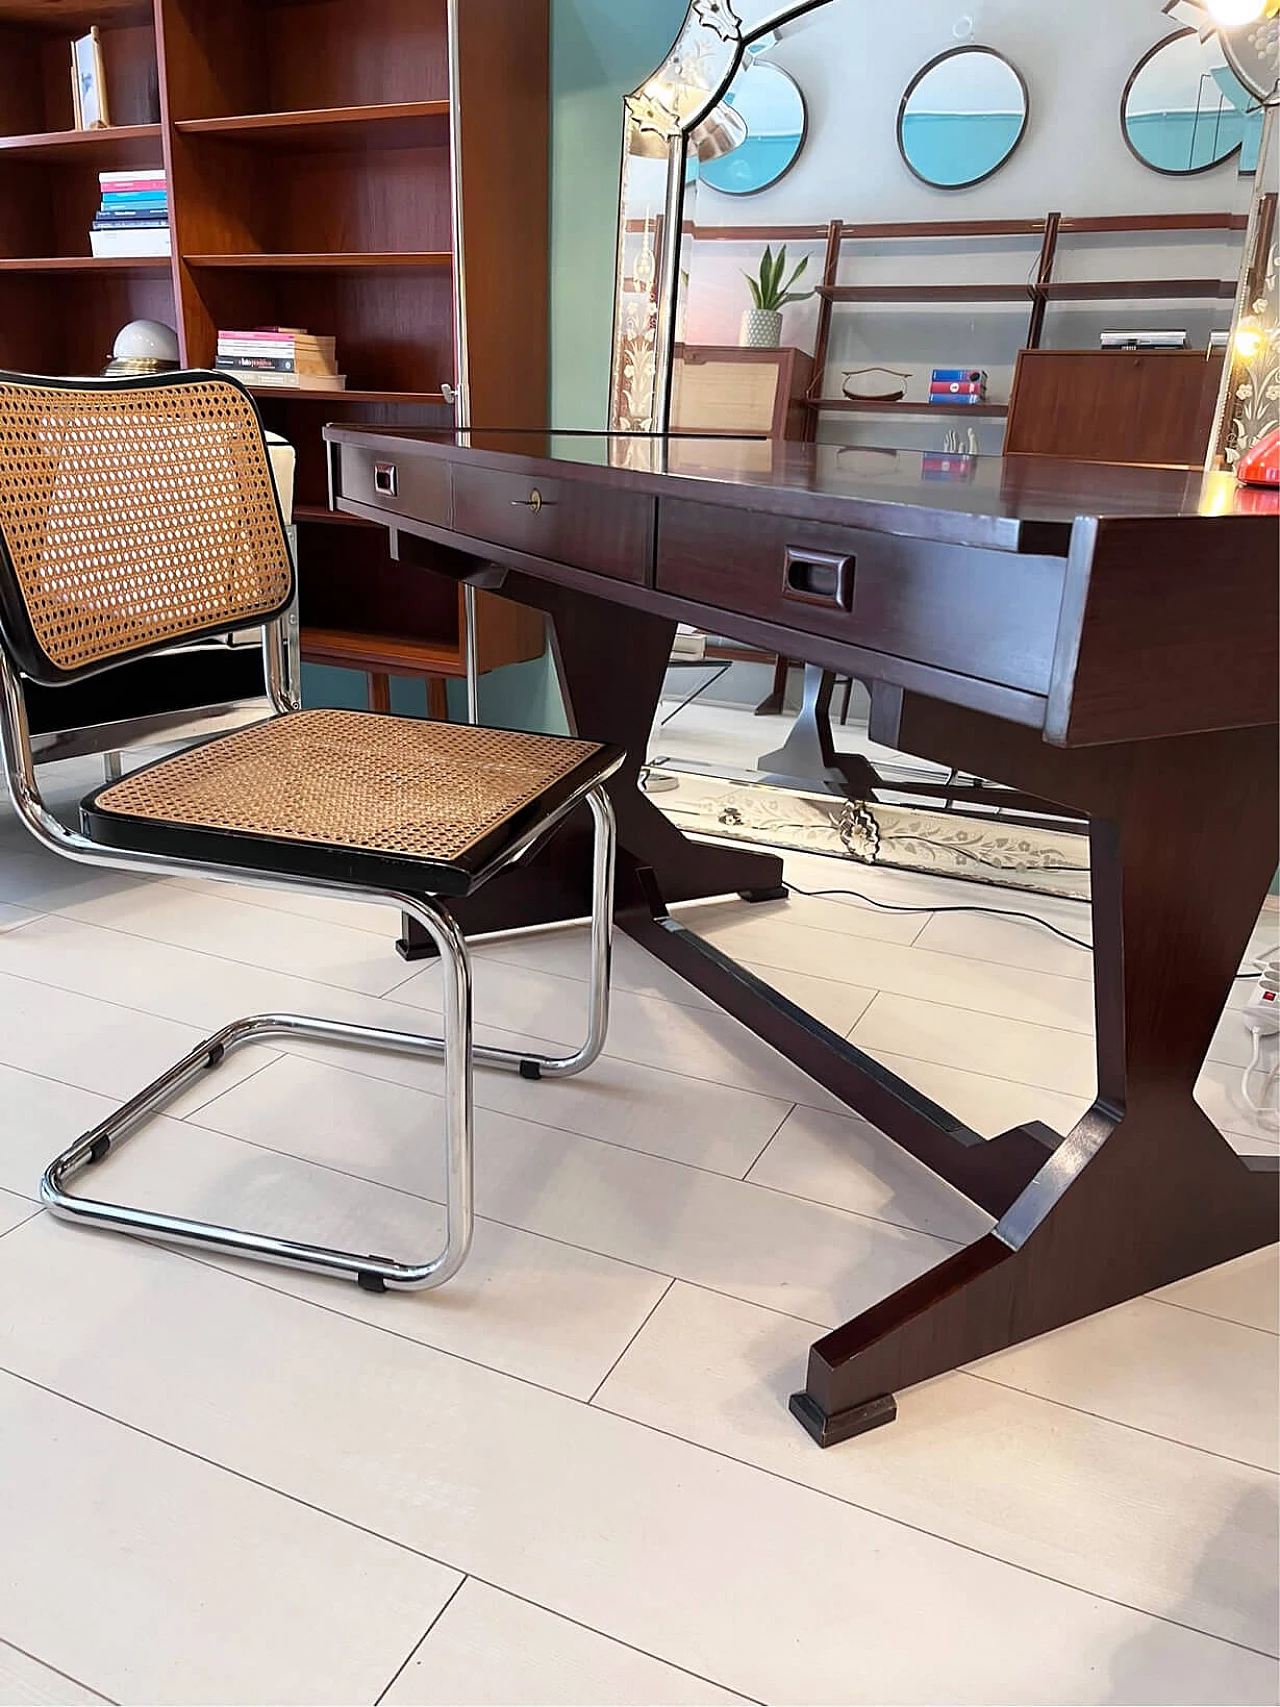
[611, 692]
[1145, 1190]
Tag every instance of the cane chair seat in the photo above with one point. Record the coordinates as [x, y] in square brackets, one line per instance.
[348, 796]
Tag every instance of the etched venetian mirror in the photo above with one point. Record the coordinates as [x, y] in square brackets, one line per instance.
[680, 122]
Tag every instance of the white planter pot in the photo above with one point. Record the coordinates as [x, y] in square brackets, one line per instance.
[761, 329]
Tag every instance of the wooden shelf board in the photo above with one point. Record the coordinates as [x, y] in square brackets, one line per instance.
[349, 262]
[84, 264]
[852, 406]
[397, 124]
[73, 18]
[1139, 290]
[336, 518]
[392, 653]
[121, 143]
[300, 394]
[928, 293]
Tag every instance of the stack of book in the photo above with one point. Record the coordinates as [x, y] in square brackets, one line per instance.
[133, 216]
[962, 385]
[281, 356]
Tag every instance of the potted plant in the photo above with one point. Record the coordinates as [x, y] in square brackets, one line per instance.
[762, 325]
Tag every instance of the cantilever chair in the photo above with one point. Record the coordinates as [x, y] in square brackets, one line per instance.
[137, 514]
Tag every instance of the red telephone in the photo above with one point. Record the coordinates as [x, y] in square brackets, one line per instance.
[1261, 465]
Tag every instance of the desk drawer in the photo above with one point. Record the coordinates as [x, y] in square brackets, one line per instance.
[401, 484]
[991, 614]
[567, 521]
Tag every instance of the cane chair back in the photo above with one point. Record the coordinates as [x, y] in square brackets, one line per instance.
[133, 514]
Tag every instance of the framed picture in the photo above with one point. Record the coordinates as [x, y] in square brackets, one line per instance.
[88, 82]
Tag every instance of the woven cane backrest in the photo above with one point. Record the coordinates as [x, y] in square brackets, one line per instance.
[132, 516]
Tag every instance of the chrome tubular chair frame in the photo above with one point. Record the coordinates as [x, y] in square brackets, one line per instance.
[374, 1273]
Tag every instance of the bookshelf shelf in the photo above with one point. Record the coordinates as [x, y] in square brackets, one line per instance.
[390, 124]
[355, 394]
[331, 518]
[852, 406]
[1141, 290]
[928, 293]
[383, 260]
[55, 264]
[118, 145]
[72, 19]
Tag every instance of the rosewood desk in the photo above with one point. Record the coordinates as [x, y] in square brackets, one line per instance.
[1101, 637]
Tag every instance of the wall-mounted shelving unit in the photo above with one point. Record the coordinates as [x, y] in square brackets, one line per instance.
[322, 157]
[1039, 292]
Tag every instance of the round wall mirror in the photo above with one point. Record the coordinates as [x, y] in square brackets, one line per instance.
[1184, 110]
[770, 104]
[962, 117]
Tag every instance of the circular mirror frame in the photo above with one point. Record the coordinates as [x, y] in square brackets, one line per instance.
[941, 59]
[740, 195]
[1139, 68]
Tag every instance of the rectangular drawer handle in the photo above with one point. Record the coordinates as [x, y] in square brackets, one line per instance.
[818, 578]
[384, 479]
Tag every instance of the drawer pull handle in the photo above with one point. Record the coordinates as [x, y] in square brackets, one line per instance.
[818, 578]
[535, 502]
[385, 480]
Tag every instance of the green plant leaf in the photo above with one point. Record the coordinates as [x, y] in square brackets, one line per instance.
[754, 288]
[779, 265]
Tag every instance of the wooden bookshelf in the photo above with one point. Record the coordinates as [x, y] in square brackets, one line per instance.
[322, 159]
[1035, 294]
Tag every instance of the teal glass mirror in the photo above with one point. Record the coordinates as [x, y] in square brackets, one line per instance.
[771, 106]
[962, 117]
[1184, 110]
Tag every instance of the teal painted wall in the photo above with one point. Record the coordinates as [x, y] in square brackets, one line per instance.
[600, 51]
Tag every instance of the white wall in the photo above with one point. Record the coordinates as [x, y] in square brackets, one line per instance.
[854, 59]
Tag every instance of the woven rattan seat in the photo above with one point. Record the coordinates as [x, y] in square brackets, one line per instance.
[349, 796]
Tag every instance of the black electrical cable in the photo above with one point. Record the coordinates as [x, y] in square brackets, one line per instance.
[990, 912]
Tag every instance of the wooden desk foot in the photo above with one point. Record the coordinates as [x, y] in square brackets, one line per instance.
[1114, 1217]
[860, 1419]
[1145, 1190]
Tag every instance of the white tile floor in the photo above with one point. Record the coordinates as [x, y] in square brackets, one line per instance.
[570, 1477]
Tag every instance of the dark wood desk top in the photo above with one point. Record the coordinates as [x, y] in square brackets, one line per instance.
[1028, 504]
[1094, 602]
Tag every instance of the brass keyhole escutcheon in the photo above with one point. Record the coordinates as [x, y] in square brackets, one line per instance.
[533, 502]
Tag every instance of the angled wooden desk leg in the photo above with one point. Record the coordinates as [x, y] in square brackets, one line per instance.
[611, 688]
[1145, 1190]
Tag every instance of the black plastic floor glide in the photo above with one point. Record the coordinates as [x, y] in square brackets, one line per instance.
[530, 1070]
[99, 1148]
[370, 1282]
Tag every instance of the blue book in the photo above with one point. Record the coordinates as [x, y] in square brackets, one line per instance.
[958, 376]
[133, 198]
[958, 402]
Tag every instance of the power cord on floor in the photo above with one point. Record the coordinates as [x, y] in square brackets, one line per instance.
[990, 912]
[1260, 1106]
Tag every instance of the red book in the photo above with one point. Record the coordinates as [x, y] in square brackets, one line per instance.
[958, 388]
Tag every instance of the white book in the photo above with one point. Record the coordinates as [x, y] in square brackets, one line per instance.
[286, 381]
[139, 241]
